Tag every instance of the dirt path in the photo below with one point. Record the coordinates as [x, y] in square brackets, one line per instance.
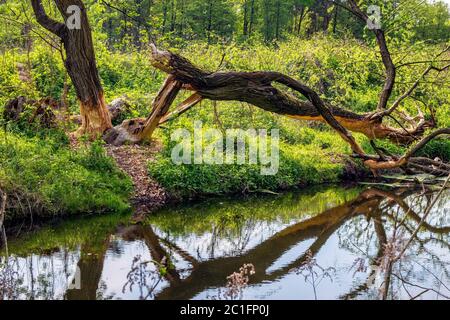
[148, 195]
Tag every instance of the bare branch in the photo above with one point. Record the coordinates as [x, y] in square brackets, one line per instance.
[413, 87]
[384, 51]
[44, 20]
[185, 106]
[377, 165]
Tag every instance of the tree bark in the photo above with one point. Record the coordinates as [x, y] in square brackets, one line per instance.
[80, 64]
[256, 88]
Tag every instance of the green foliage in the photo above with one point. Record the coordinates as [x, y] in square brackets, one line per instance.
[47, 72]
[89, 230]
[63, 181]
[227, 215]
[300, 164]
[439, 148]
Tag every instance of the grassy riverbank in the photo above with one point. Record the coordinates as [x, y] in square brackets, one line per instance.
[44, 177]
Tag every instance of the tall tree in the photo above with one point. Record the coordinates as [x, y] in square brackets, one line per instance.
[80, 63]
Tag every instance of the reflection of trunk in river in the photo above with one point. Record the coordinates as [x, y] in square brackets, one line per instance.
[382, 241]
[394, 198]
[90, 270]
[213, 273]
[158, 253]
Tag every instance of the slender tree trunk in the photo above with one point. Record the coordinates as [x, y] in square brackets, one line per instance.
[245, 27]
[335, 18]
[137, 27]
[252, 17]
[209, 28]
[267, 20]
[164, 23]
[124, 32]
[302, 15]
[183, 17]
[278, 22]
[173, 17]
[313, 25]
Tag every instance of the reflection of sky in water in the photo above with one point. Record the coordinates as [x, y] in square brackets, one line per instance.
[209, 245]
[47, 276]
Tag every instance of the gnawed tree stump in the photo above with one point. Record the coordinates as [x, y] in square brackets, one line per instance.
[119, 109]
[139, 130]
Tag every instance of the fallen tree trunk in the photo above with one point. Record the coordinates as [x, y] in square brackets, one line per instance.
[257, 89]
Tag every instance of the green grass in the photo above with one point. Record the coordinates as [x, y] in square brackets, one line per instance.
[227, 215]
[304, 163]
[62, 181]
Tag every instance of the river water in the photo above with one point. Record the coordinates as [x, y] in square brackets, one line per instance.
[330, 242]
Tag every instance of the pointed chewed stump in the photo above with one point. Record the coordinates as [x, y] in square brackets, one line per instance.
[140, 130]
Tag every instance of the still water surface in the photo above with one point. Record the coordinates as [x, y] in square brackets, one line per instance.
[322, 243]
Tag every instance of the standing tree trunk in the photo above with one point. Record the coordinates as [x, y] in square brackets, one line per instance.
[182, 18]
[278, 21]
[173, 17]
[210, 12]
[80, 65]
[267, 20]
[335, 18]
[300, 20]
[252, 17]
[164, 22]
[245, 27]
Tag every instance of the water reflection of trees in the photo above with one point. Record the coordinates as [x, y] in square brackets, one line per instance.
[384, 211]
[35, 277]
[366, 226]
[403, 235]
